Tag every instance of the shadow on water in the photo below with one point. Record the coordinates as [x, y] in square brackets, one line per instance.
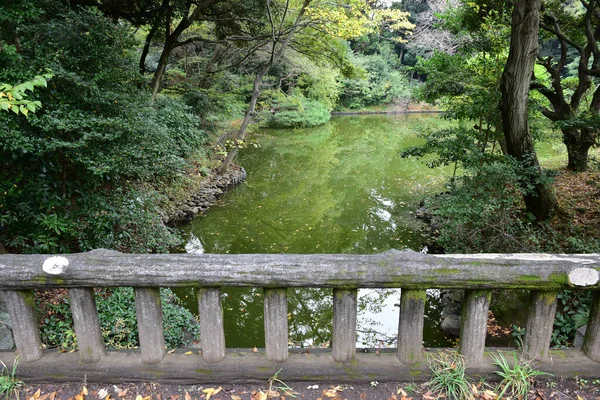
[338, 188]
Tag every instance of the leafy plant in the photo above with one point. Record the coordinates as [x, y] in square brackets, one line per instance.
[9, 383]
[116, 311]
[448, 376]
[516, 379]
[278, 384]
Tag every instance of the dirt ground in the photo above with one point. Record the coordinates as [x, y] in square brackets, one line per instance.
[544, 389]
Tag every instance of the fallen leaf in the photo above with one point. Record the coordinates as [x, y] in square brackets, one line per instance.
[188, 397]
[102, 393]
[37, 394]
[392, 397]
[171, 351]
[255, 350]
[48, 396]
[79, 397]
[235, 397]
[272, 394]
[209, 392]
[122, 393]
[84, 391]
[474, 390]
[259, 396]
[188, 353]
[401, 392]
[490, 394]
[363, 396]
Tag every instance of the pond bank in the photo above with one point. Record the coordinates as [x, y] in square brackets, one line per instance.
[210, 190]
[386, 112]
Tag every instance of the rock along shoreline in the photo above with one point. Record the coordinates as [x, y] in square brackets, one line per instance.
[211, 189]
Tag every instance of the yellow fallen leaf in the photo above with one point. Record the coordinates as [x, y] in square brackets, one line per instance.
[79, 397]
[36, 395]
[84, 391]
[211, 392]
[188, 353]
[330, 393]
[171, 351]
[188, 397]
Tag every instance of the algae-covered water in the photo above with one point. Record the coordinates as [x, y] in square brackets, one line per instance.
[338, 188]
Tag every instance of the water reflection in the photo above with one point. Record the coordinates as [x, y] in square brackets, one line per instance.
[338, 188]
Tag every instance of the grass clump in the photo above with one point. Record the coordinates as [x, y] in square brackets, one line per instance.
[9, 383]
[516, 379]
[448, 378]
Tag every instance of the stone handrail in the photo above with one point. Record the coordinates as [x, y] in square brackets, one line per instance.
[413, 272]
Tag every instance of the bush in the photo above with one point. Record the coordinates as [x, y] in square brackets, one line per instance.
[116, 309]
[82, 172]
[483, 213]
[293, 112]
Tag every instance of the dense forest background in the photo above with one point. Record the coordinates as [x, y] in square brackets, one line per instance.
[113, 109]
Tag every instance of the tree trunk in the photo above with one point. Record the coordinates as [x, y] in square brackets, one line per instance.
[146, 48]
[247, 118]
[515, 94]
[275, 56]
[578, 144]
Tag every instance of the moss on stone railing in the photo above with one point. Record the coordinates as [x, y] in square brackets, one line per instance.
[413, 272]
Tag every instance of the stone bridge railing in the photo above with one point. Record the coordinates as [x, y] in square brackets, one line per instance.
[543, 274]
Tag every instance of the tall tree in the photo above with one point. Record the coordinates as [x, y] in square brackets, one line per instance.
[575, 25]
[515, 95]
[310, 27]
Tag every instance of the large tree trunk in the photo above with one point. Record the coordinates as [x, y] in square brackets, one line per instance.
[515, 94]
[578, 144]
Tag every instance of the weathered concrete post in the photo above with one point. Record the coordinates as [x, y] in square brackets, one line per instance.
[540, 319]
[87, 325]
[276, 324]
[150, 328]
[473, 326]
[24, 324]
[591, 342]
[344, 324]
[212, 332]
[410, 325]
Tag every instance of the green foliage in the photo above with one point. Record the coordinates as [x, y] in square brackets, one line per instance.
[381, 83]
[14, 98]
[116, 309]
[516, 380]
[448, 377]
[295, 112]
[483, 212]
[9, 383]
[572, 313]
[71, 176]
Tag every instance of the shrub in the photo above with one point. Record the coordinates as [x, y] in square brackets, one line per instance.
[293, 112]
[116, 309]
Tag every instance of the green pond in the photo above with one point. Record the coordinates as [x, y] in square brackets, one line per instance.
[338, 188]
